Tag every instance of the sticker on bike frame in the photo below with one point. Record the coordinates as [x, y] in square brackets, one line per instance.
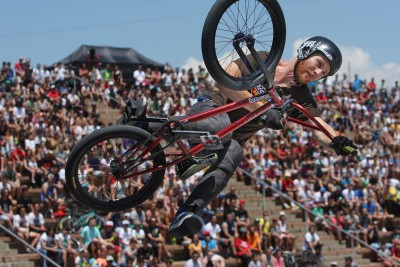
[257, 91]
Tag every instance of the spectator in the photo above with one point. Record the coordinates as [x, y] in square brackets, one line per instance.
[81, 260]
[287, 240]
[194, 261]
[125, 234]
[278, 260]
[63, 240]
[242, 216]
[21, 226]
[129, 254]
[255, 260]
[267, 258]
[13, 178]
[196, 245]
[110, 261]
[213, 228]
[211, 251]
[254, 240]
[396, 250]
[145, 252]
[7, 204]
[91, 234]
[348, 262]
[229, 233]
[153, 234]
[49, 195]
[385, 253]
[312, 242]
[138, 233]
[242, 247]
[47, 245]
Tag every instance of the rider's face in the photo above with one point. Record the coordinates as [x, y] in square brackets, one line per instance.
[311, 69]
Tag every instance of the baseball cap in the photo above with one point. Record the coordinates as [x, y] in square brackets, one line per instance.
[109, 223]
[109, 258]
[242, 229]
[242, 202]
[125, 222]
[206, 232]
[282, 213]
[110, 83]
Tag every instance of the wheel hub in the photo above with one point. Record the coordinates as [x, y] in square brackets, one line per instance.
[241, 37]
[115, 168]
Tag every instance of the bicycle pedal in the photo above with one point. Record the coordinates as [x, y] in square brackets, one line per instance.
[211, 142]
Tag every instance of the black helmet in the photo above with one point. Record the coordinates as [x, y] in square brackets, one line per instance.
[325, 47]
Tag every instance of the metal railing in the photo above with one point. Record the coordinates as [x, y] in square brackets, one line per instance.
[265, 185]
[45, 257]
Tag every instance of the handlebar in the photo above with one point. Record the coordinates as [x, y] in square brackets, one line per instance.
[284, 106]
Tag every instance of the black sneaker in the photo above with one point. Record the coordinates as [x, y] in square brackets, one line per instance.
[134, 108]
[185, 224]
[190, 166]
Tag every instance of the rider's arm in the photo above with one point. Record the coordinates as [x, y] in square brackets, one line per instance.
[233, 95]
[321, 137]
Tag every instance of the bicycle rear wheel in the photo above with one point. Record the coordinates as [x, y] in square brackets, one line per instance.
[109, 169]
[233, 23]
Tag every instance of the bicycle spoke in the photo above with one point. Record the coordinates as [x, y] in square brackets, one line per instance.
[248, 18]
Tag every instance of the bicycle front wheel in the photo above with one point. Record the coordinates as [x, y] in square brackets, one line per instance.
[229, 28]
[111, 168]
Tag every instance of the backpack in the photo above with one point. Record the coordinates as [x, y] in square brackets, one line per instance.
[289, 260]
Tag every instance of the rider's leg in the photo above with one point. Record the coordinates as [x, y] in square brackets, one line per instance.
[187, 220]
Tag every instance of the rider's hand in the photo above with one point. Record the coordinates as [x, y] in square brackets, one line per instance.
[343, 146]
[273, 119]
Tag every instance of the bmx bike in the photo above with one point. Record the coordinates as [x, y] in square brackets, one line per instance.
[129, 162]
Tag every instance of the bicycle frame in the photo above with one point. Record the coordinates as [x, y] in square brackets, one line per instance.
[272, 98]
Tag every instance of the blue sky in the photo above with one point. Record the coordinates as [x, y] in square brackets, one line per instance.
[368, 32]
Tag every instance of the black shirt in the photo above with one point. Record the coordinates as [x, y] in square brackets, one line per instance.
[299, 92]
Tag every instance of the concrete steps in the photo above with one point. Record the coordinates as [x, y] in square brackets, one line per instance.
[10, 257]
[332, 250]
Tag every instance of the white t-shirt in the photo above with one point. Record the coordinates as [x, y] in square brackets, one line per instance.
[64, 239]
[36, 220]
[310, 238]
[42, 238]
[20, 222]
[139, 76]
[125, 235]
[213, 229]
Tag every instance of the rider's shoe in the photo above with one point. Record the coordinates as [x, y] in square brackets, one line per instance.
[185, 224]
[190, 166]
[134, 108]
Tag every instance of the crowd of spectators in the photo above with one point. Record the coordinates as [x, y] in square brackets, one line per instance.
[45, 111]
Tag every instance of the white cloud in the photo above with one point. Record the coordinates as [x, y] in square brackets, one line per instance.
[193, 63]
[358, 61]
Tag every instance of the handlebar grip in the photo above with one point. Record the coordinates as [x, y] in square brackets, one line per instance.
[350, 150]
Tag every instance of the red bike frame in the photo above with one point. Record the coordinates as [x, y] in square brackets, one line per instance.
[272, 98]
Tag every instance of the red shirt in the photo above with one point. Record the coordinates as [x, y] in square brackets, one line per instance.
[271, 173]
[287, 184]
[240, 243]
[282, 152]
[53, 95]
[18, 153]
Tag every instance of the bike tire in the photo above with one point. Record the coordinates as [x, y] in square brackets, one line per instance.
[143, 138]
[216, 16]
